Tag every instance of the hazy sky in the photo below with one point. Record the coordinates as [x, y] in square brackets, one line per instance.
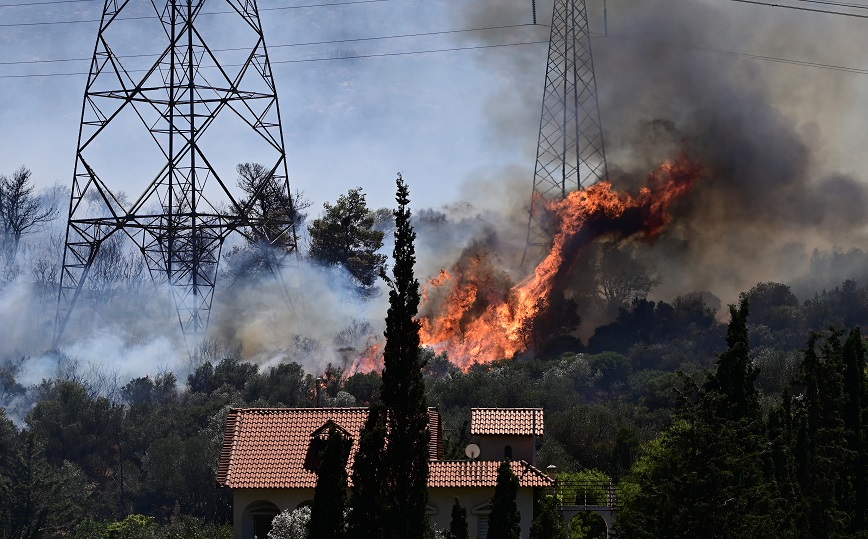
[446, 120]
[784, 141]
[346, 122]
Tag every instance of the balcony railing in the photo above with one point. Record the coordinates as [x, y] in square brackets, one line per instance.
[586, 493]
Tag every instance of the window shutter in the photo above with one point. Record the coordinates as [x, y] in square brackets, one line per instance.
[482, 527]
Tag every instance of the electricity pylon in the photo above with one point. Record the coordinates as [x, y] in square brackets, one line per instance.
[570, 152]
[175, 98]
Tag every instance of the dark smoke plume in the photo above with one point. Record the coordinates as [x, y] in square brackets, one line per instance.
[772, 136]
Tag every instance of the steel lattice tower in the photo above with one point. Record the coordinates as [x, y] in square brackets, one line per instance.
[186, 94]
[570, 152]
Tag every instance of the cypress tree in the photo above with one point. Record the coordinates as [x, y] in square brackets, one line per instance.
[403, 390]
[732, 385]
[458, 524]
[366, 520]
[504, 521]
[821, 446]
[329, 498]
[854, 422]
[705, 476]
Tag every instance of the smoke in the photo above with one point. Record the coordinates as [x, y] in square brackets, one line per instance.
[777, 140]
[308, 314]
[783, 199]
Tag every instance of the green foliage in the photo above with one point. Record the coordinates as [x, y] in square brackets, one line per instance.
[69, 425]
[138, 526]
[345, 237]
[731, 387]
[581, 495]
[705, 477]
[588, 525]
[403, 391]
[548, 522]
[365, 387]
[716, 467]
[330, 494]
[504, 521]
[285, 384]
[661, 336]
[367, 497]
[824, 431]
[458, 522]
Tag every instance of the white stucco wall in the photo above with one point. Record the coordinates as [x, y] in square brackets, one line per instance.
[440, 499]
[282, 498]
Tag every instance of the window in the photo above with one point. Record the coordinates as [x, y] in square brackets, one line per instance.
[482, 527]
[507, 452]
[262, 525]
[256, 521]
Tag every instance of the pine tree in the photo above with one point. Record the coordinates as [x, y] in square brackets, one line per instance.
[458, 524]
[504, 521]
[329, 498]
[366, 519]
[403, 390]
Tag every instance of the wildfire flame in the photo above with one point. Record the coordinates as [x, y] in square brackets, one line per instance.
[481, 317]
[371, 359]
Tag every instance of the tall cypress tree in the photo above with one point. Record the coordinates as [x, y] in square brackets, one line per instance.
[366, 520]
[732, 385]
[854, 423]
[504, 521]
[403, 390]
[821, 445]
[330, 495]
[458, 523]
[705, 477]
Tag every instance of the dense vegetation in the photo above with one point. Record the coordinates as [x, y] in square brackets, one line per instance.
[791, 444]
[755, 429]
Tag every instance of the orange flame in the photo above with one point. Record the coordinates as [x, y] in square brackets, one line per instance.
[371, 359]
[480, 320]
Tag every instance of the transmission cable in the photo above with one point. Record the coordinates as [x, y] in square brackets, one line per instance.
[304, 60]
[146, 17]
[805, 63]
[836, 4]
[301, 44]
[31, 4]
[819, 65]
[808, 9]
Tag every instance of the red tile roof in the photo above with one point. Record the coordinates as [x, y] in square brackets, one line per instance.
[266, 447]
[507, 421]
[476, 473]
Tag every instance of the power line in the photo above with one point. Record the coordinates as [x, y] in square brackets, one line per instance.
[306, 60]
[277, 8]
[31, 4]
[837, 4]
[776, 59]
[819, 65]
[808, 9]
[301, 44]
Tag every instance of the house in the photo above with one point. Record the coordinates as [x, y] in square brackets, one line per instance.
[266, 462]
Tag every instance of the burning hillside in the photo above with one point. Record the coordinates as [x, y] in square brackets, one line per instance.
[475, 313]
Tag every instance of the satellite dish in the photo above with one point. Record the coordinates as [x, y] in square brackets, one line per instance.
[472, 451]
